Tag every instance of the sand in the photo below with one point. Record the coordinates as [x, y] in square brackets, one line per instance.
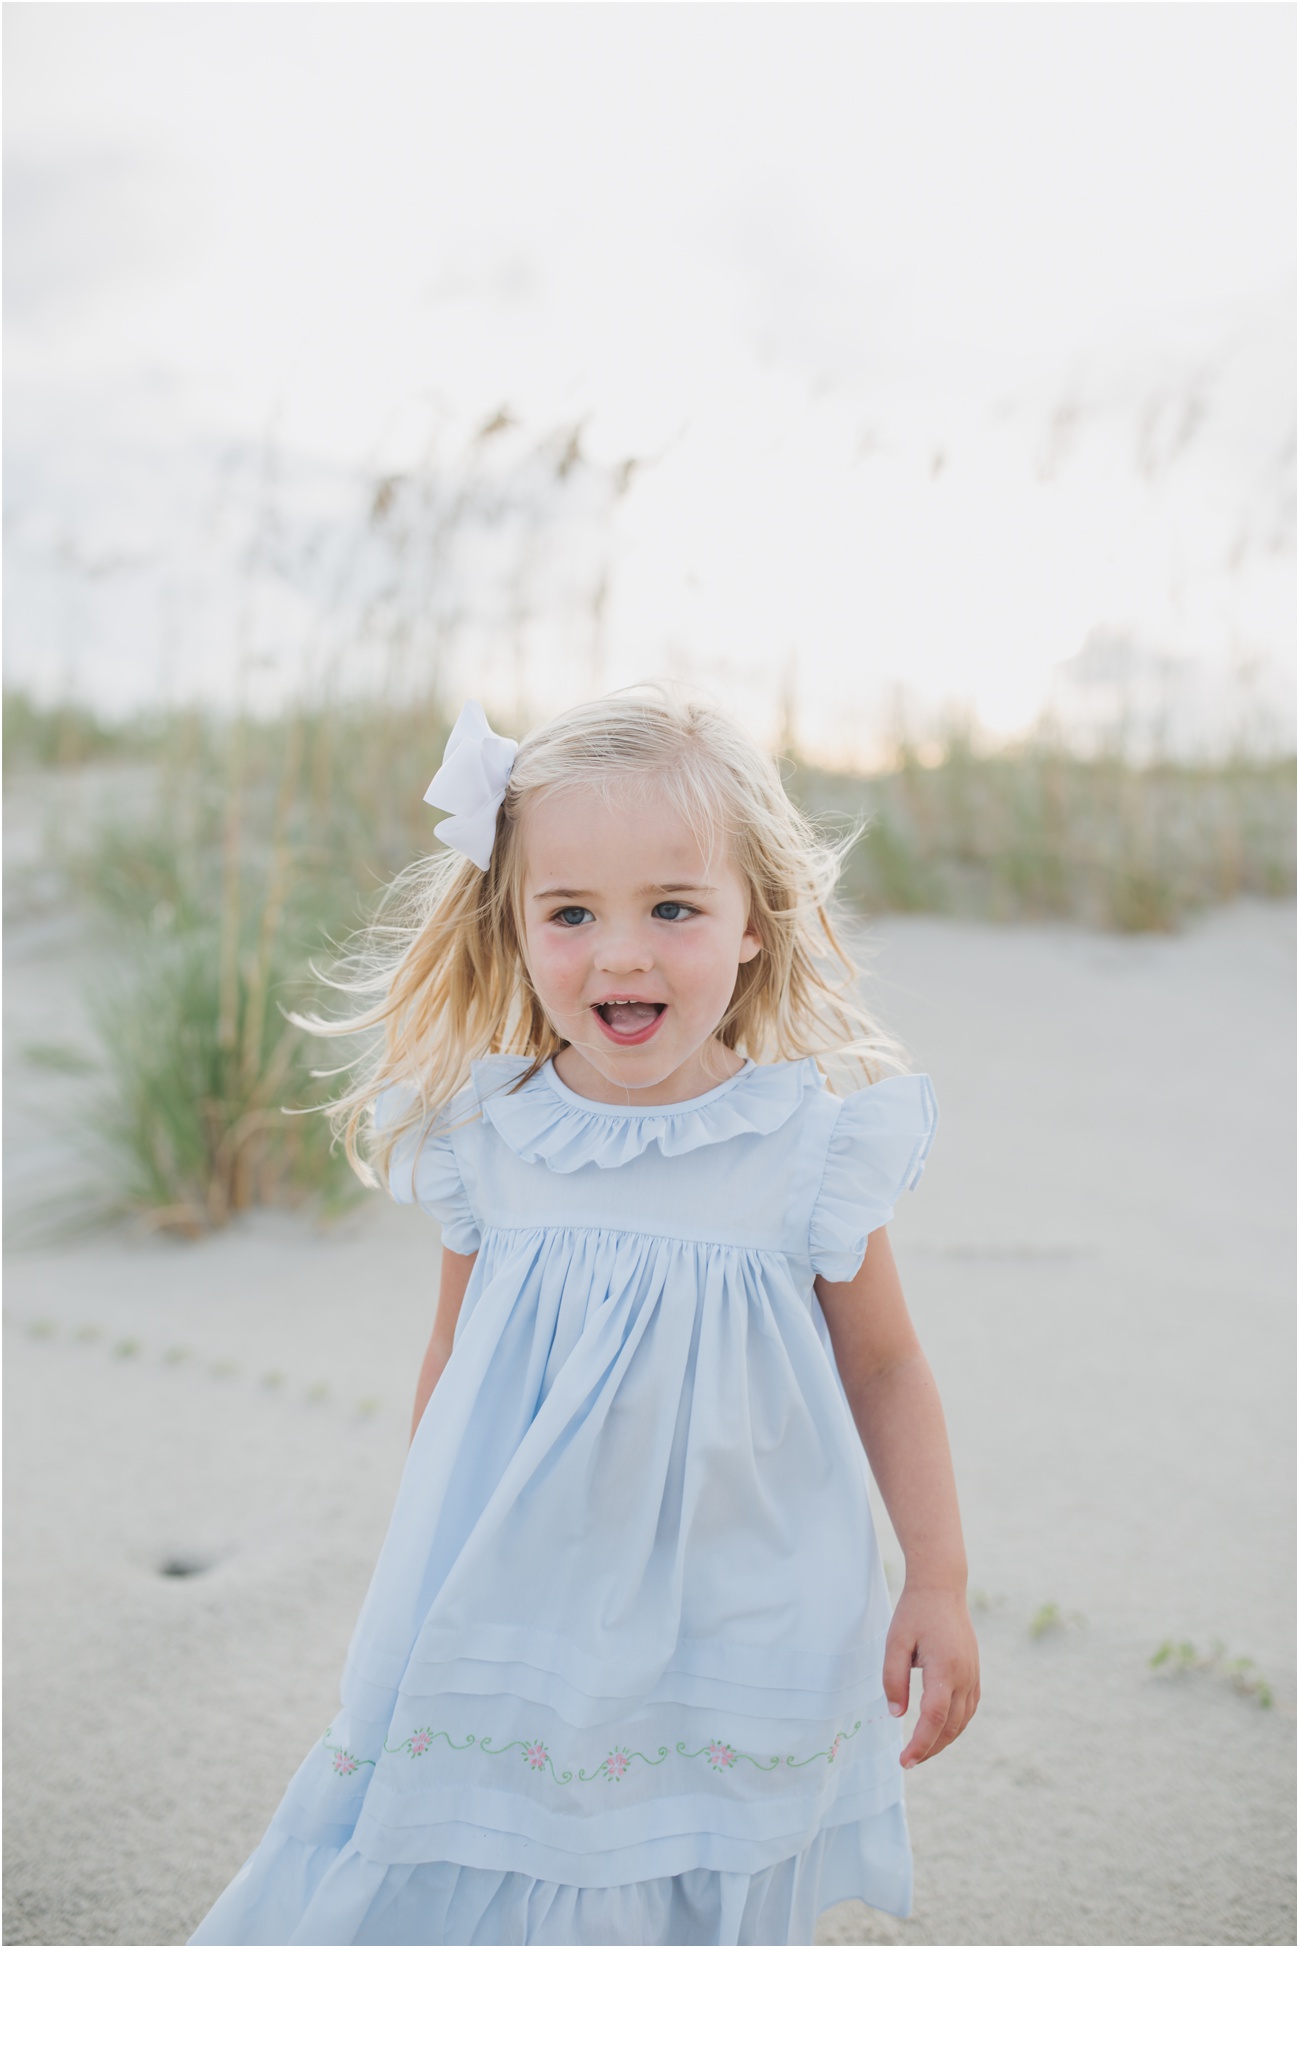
[1099, 1261]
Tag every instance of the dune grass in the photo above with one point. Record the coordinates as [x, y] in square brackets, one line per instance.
[264, 843]
[1036, 831]
[65, 735]
[263, 846]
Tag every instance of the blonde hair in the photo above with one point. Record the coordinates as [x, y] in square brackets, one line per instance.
[445, 958]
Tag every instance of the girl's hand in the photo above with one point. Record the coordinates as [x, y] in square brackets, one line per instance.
[932, 1629]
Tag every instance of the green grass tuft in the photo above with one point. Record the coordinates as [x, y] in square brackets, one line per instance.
[1051, 1618]
[59, 1059]
[1179, 1659]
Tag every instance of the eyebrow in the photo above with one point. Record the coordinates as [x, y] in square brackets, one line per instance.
[650, 889]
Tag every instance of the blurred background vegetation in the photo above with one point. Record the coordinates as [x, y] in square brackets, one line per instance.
[215, 857]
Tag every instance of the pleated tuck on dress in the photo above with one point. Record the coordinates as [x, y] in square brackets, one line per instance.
[617, 1678]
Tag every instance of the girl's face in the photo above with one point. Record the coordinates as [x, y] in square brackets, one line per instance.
[632, 940]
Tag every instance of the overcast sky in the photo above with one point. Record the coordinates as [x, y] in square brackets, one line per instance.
[960, 334]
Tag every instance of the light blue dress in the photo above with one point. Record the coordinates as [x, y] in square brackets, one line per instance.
[617, 1679]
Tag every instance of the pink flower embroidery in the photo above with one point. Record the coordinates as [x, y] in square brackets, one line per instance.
[343, 1763]
[834, 1747]
[536, 1756]
[420, 1741]
[720, 1756]
[616, 1763]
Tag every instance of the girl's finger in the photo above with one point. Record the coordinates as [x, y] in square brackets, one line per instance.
[898, 1653]
[935, 1704]
[944, 1735]
[956, 1722]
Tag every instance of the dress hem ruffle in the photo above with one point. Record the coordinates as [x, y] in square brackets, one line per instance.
[293, 1892]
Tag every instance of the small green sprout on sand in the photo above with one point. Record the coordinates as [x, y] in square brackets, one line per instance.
[1175, 1660]
[369, 1406]
[41, 1329]
[85, 1333]
[175, 1354]
[983, 1603]
[224, 1369]
[1050, 1618]
[272, 1380]
[58, 1059]
[126, 1347]
[318, 1391]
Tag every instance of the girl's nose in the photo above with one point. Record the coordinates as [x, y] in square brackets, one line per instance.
[622, 949]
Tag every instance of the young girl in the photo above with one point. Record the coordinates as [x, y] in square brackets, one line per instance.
[626, 1671]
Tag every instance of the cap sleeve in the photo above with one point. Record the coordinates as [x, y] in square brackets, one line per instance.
[878, 1148]
[424, 1169]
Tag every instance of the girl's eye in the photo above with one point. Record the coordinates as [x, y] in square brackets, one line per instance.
[572, 915]
[675, 913]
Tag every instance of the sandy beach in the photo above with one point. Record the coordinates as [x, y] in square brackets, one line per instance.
[203, 1441]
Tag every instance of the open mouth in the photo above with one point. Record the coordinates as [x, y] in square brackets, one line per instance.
[628, 1022]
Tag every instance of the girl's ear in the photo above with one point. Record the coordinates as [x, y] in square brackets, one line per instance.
[750, 946]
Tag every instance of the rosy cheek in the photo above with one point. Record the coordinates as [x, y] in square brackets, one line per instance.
[557, 961]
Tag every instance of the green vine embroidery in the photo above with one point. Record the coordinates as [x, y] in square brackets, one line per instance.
[720, 1756]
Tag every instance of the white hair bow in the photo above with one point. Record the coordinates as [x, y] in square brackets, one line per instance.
[470, 784]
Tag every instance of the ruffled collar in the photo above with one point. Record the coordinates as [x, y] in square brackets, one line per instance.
[545, 1121]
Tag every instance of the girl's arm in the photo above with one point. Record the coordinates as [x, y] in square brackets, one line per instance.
[456, 1268]
[899, 1418]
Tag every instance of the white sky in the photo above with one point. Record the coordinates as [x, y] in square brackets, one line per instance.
[962, 332]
